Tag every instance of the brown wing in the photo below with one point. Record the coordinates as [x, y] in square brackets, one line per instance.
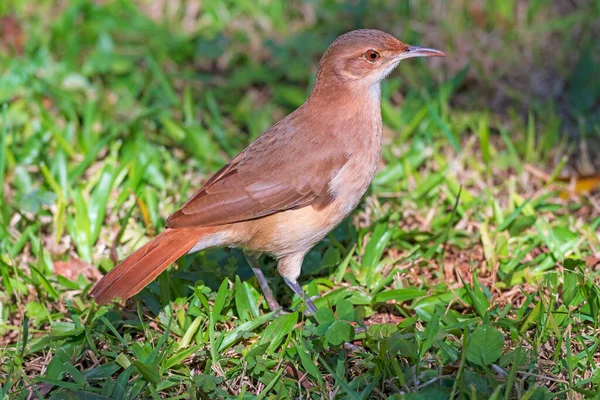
[273, 174]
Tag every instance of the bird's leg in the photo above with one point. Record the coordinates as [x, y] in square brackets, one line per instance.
[252, 259]
[289, 268]
[298, 290]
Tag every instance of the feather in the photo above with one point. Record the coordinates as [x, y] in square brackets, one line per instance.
[144, 265]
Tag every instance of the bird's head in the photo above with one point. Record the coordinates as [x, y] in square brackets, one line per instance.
[367, 56]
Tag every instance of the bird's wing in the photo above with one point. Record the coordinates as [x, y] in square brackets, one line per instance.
[271, 175]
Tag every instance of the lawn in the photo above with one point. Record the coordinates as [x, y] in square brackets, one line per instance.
[473, 260]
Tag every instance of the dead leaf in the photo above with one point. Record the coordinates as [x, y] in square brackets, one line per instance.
[592, 261]
[384, 315]
[581, 185]
[12, 36]
[42, 389]
[292, 371]
[73, 267]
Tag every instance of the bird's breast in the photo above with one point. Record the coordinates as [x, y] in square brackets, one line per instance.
[298, 230]
[353, 180]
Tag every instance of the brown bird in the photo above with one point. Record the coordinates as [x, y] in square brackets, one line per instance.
[294, 184]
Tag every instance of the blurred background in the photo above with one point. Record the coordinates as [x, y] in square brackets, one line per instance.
[512, 58]
[112, 112]
[147, 97]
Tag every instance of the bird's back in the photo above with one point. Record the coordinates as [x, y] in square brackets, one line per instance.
[278, 172]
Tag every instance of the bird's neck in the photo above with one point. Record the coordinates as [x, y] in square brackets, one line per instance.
[345, 116]
[346, 100]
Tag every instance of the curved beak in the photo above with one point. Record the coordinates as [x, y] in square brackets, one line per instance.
[416, 51]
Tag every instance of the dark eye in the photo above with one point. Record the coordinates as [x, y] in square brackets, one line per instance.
[372, 55]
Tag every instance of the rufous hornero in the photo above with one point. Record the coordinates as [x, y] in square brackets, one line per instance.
[292, 186]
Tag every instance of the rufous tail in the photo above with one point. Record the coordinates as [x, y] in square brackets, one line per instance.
[145, 264]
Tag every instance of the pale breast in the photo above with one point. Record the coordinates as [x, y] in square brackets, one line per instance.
[354, 178]
[297, 231]
[289, 232]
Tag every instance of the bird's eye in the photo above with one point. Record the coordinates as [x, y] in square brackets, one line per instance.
[372, 55]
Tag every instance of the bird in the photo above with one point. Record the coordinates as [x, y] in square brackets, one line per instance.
[294, 184]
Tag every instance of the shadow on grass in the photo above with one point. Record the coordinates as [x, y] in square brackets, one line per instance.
[211, 267]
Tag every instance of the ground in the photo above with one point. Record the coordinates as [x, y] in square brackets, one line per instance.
[473, 260]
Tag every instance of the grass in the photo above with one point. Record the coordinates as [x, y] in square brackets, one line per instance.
[471, 260]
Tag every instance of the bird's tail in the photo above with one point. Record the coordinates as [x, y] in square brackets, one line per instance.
[145, 264]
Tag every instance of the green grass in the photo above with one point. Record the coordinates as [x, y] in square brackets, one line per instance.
[476, 278]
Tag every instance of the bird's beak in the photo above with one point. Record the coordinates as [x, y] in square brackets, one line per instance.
[416, 51]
